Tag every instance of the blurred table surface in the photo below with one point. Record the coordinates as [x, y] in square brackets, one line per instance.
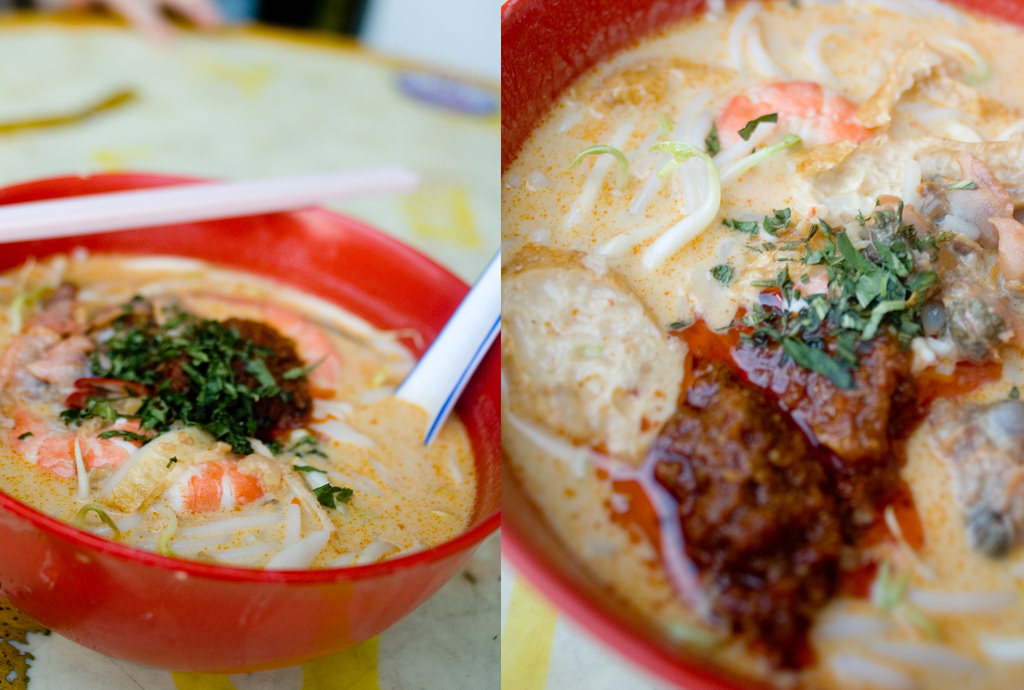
[247, 103]
[542, 649]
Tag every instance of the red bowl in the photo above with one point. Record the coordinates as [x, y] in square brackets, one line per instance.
[170, 613]
[545, 45]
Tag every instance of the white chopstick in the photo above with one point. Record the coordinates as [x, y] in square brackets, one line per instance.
[437, 380]
[189, 202]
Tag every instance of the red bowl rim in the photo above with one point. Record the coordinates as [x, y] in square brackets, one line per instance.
[211, 571]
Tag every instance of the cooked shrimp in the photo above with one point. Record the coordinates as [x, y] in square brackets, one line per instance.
[984, 212]
[311, 343]
[212, 486]
[24, 349]
[987, 199]
[1011, 247]
[64, 363]
[52, 446]
[48, 351]
[804, 107]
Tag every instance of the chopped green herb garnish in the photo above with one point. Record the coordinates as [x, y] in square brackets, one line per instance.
[963, 184]
[679, 325]
[771, 224]
[778, 220]
[816, 360]
[722, 273]
[711, 143]
[330, 495]
[748, 129]
[299, 372]
[27, 434]
[880, 287]
[197, 372]
[305, 468]
[748, 226]
[1015, 393]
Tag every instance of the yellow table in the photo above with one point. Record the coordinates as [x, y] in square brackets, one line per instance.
[542, 649]
[250, 103]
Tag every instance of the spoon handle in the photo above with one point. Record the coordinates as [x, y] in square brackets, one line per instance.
[438, 379]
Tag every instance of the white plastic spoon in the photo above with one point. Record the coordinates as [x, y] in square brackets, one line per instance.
[181, 203]
[438, 379]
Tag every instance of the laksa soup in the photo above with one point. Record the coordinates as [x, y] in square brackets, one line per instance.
[213, 415]
[762, 339]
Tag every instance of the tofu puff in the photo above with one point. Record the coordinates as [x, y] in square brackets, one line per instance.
[216, 416]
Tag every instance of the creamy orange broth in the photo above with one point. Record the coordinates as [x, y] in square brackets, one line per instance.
[632, 101]
[406, 496]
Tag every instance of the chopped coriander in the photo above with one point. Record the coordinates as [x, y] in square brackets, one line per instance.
[748, 129]
[816, 360]
[679, 325]
[299, 372]
[183, 370]
[881, 287]
[330, 495]
[963, 184]
[771, 224]
[778, 220]
[748, 226]
[722, 273]
[27, 434]
[173, 459]
[711, 143]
